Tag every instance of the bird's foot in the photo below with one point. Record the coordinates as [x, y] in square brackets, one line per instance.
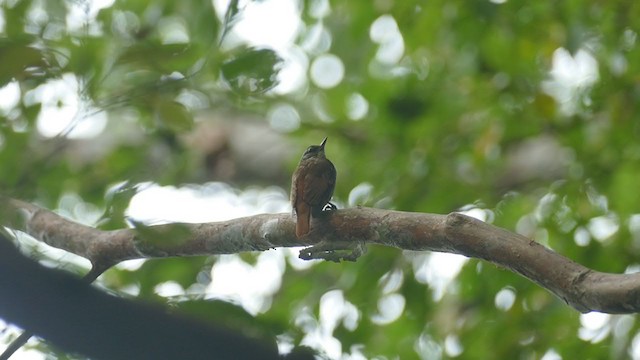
[329, 207]
[324, 211]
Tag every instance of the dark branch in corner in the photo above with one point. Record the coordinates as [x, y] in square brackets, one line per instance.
[18, 342]
[80, 318]
[349, 229]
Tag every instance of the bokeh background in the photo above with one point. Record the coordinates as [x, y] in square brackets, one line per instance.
[522, 114]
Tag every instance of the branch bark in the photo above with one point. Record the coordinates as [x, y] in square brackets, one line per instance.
[582, 288]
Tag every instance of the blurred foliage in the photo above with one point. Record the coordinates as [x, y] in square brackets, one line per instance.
[443, 105]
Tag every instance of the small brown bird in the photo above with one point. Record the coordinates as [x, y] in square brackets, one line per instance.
[312, 186]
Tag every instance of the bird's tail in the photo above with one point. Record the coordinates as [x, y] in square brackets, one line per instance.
[302, 222]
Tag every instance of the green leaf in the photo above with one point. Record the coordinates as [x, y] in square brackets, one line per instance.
[252, 71]
[16, 58]
[157, 240]
[230, 18]
[118, 200]
[174, 115]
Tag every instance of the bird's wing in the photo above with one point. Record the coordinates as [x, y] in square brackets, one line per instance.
[319, 185]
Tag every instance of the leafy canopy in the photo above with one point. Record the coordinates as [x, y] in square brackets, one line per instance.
[524, 113]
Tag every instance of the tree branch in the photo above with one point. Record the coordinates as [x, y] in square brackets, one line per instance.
[582, 288]
[18, 342]
[80, 318]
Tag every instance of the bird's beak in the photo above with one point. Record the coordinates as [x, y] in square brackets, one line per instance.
[322, 143]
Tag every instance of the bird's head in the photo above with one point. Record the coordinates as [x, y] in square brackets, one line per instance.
[315, 151]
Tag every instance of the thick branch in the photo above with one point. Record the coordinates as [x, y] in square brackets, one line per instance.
[81, 318]
[584, 289]
[105, 248]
